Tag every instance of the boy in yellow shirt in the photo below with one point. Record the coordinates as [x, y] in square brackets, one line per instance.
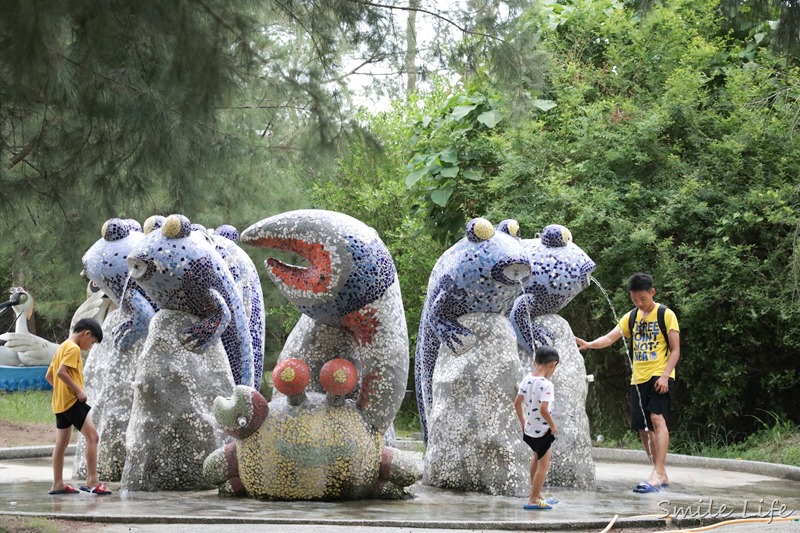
[69, 405]
[655, 354]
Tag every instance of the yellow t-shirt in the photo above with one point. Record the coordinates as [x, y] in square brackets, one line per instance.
[650, 353]
[68, 354]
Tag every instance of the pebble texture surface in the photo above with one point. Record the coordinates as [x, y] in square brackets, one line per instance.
[474, 437]
[172, 428]
[351, 303]
[181, 269]
[560, 270]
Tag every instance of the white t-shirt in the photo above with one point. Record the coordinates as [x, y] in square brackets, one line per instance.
[535, 390]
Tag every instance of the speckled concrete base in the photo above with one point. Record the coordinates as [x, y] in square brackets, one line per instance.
[172, 428]
[474, 436]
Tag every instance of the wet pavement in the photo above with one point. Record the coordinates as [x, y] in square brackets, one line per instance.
[697, 496]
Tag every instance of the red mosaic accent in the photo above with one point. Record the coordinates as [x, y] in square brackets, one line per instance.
[316, 278]
[368, 388]
[291, 376]
[338, 377]
[361, 324]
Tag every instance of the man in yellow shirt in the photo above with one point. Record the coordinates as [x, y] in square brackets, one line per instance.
[655, 354]
[69, 405]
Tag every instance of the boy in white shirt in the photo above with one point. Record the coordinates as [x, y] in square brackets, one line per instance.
[534, 406]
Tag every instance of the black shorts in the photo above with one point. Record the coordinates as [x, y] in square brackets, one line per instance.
[74, 416]
[539, 445]
[652, 402]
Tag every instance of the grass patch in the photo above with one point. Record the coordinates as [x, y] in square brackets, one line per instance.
[778, 441]
[26, 406]
[19, 524]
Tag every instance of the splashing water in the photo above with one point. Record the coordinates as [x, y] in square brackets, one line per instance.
[627, 352]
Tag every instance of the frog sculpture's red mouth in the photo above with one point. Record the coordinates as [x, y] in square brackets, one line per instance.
[316, 278]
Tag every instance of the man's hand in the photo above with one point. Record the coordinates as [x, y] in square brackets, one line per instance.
[82, 396]
[662, 385]
[582, 344]
[553, 429]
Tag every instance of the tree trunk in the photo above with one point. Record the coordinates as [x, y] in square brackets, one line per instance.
[411, 48]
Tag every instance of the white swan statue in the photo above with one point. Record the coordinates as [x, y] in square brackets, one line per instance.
[23, 348]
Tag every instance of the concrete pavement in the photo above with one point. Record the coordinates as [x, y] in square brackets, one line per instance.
[697, 496]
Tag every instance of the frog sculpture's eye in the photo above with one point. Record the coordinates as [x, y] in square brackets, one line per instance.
[115, 229]
[176, 227]
[479, 229]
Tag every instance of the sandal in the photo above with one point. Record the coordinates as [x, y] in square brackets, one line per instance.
[541, 505]
[98, 489]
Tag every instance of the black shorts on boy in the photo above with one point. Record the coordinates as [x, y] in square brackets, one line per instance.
[74, 416]
[539, 445]
[652, 402]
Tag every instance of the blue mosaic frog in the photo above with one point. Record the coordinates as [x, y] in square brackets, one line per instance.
[180, 269]
[482, 273]
[106, 265]
[559, 271]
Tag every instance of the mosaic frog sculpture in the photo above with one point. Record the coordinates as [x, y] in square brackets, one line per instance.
[111, 365]
[559, 271]
[350, 301]
[182, 270]
[106, 265]
[305, 445]
[482, 273]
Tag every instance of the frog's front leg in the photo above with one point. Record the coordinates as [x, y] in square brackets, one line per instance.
[447, 306]
[137, 312]
[528, 334]
[203, 334]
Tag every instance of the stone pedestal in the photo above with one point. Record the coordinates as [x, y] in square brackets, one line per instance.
[172, 428]
[474, 435]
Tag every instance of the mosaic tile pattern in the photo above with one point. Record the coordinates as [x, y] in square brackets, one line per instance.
[559, 271]
[106, 265]
[172, 428]
[482, 273]
[474, 436]
[108, 374]
[305, 445]
[245, 275]
[350, 299]
[182, 270]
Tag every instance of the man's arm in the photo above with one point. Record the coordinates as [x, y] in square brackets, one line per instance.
[544, 408]
[662, 384]
[602, 342]
[63, 375]
[49, 376]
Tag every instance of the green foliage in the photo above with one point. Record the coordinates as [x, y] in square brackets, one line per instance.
[672, 148]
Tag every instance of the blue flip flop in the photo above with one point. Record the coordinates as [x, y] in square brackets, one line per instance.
[645, 488]
[540, 506]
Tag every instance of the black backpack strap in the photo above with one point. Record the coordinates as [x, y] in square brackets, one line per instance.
[632, 320]
[662, 325]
